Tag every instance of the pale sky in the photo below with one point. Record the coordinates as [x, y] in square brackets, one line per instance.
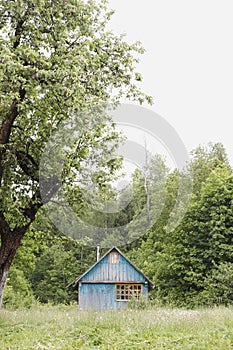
[188, 64]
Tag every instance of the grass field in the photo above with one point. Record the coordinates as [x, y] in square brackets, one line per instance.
[159, 328]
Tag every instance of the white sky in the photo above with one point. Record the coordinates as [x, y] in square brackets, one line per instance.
[188, 64]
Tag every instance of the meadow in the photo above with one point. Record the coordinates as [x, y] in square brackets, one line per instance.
[63, 327]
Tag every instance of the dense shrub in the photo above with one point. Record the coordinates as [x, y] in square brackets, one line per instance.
[219, 285]
[18, 292]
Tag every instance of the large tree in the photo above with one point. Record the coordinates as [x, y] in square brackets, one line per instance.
[201, 243]
[57, 58]
[198, 252]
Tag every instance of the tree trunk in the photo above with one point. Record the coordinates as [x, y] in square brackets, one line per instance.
[3, 277]
[10, 241]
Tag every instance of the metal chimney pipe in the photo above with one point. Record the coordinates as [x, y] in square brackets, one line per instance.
[98, 252]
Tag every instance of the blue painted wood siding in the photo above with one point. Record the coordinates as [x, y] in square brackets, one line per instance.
[120, 272]
[101, 296]
[98, 297]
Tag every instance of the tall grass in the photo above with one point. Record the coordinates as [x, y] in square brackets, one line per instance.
[157, 328]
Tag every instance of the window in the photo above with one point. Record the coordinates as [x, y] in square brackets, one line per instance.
[125, 292]
[114, 258]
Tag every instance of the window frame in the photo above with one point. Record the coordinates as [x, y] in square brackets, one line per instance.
[114, 258]
[128, 290]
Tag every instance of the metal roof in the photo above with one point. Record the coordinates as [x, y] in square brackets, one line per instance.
[76, 281]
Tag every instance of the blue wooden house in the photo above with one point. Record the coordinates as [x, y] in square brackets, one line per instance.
[110, 283]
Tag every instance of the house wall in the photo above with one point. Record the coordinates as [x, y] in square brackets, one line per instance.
[101, 296]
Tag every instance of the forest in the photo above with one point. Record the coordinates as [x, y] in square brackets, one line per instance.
[191, 266]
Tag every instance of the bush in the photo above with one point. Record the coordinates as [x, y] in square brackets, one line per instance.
[18, 293]
[138, 304]
[218, 286]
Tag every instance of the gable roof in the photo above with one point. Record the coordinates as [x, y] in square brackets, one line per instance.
[74, 284]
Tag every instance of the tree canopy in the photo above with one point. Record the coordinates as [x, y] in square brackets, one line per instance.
[57, 59]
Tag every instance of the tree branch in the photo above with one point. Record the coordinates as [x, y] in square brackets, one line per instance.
[6, 127]
[4, 227]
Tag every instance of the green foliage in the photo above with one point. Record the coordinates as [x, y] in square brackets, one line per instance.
[54, 270]
[204, 160]
[18, 292]
[218, 285]
[140, 303]
[203, 240]
[57, 59]
[182, 262]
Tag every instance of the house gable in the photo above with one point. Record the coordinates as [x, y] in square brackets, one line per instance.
[107, 271]
[111, 270]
